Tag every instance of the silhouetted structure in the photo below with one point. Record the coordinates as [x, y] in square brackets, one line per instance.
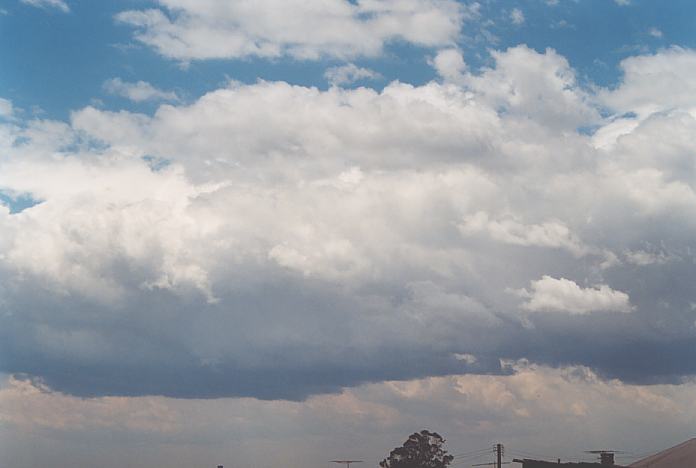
[605, 458]
[528, 463]
[679, 456]
[346, 462]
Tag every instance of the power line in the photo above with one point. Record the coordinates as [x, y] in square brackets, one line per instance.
[498, 450]
[472, 452]
[524, 453]
[466, 461]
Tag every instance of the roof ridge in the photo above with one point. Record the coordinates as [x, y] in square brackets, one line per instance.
[663, 453]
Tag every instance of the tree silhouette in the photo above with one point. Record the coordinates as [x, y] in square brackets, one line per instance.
[423, 449]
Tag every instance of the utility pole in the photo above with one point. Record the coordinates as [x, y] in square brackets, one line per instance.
[499, 451]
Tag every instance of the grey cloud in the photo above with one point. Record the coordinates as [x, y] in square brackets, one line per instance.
[281, 345]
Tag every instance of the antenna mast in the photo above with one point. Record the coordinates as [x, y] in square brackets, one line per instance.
[346, 462]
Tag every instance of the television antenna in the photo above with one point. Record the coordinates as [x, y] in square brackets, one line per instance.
[346, 462]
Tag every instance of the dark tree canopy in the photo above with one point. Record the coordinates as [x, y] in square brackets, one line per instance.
[423, 449]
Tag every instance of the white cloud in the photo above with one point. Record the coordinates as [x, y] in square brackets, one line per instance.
[316, 126]
[348, 74]
[562, 24]
[642, 257]
[563, 295]
[68, 266]
[656, 83]
[450, 65]
[138, 92]
[6, 108]
[540, 86]
[552, 234]
[304, 30]
[654, 32]
[467, 358]
[517, 16]
[623, 2]
[48, 4]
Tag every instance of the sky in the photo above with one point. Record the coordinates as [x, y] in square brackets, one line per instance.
[280, 232]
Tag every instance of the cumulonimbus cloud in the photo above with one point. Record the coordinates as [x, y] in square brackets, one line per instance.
[279, 241]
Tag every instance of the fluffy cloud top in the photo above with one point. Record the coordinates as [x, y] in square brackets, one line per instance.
[280, 241]
[656, 83]
[449, 64]
[186, 30]
[563, 295]
[540, 86]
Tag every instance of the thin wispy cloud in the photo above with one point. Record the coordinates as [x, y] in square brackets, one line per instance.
[654, 32]
[6, 108]
[137, 91]
[60, 5]
[349, 74]
[517, 16]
